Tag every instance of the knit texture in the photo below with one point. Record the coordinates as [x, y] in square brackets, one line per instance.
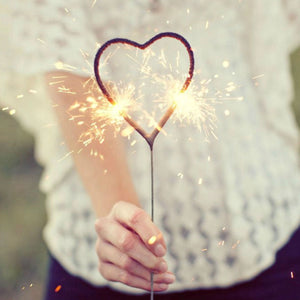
[225, 206]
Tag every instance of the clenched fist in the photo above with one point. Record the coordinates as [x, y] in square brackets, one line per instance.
[130, 247]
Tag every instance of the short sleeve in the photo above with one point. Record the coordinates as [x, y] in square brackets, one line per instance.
[44, 35]
[292, 11]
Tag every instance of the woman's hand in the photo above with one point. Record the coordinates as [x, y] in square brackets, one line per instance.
[130, 247]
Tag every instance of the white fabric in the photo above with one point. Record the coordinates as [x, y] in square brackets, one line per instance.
[222, 231]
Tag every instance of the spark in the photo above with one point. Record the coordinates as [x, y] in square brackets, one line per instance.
[12, 112]
[41, 41]
[103, 114]
[194, 106]
[235, 244]
[20, 96]
[200, 181]
[66, 155]
[152, 240]
[230, 87]
[221, 243]
[56, 82]
[180, 175]
[292, 274]
[126, 132]
[65, 90]
[57, 289]
[206, 24]
[62, 66]
[93, 3]
[226, 112]
[258, 76]
[225, 64]
[32, 91]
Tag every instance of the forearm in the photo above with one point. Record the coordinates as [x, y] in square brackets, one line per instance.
[106, 176]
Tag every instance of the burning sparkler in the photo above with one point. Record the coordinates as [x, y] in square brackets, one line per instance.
[149, 137]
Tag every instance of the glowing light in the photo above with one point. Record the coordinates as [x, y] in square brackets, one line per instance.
[221, 243]
[226, 112]
[225, 64]
[180, 175]
[292, 275]
[258, 76]
[62, 66]
[152, 240]
[230, 87]
[12, 112]
[200, 181]
[235, 244]
[57, 289]
[41, 41]
[20, 96]
[206, 24]
[193, 106]
[59, 65]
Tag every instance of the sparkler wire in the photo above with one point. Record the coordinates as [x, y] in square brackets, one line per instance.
[149, 137]
[152, 212]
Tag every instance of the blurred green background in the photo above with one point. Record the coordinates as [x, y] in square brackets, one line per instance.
[23, 255]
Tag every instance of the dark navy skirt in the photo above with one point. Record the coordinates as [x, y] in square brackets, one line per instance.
[279, 282]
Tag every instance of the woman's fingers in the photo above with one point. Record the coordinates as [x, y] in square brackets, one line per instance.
[130, 247]
[108, 253]
[129, 243]
[138, 220]
[114, 273]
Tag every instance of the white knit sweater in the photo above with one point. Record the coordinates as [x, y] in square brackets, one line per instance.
[225, 206]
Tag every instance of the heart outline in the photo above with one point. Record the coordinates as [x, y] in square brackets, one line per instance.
[148, 137]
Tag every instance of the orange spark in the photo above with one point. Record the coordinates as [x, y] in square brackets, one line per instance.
[57, 289]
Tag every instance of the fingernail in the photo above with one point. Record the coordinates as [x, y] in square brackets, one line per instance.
[163, 267]
[169, 278]
[162, 286]
[159, 250]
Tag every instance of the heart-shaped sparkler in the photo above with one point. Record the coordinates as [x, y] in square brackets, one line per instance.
[148, 137]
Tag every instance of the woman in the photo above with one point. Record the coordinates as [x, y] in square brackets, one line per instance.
[216, 237]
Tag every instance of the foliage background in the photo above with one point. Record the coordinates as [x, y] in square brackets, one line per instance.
[23, 255]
